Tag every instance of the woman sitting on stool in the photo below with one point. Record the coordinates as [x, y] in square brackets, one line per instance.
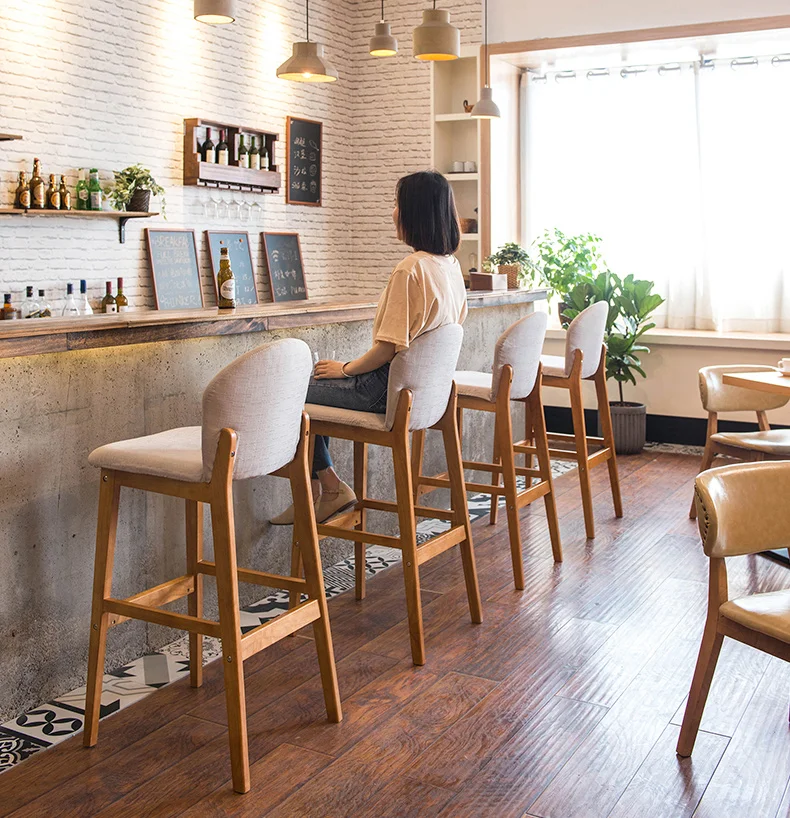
[425, 291]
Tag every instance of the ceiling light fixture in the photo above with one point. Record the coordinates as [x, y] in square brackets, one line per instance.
[382, 43]
[215, 12]
[485, 107]
[306, 63]
[435, 39]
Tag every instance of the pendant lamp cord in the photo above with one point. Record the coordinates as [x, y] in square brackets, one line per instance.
[307, 16]
[485, 38]
[382, 11]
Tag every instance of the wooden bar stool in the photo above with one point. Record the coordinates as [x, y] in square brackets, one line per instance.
[516, 377]
[253, 425]
[585, 359]
[421, 394]
[716, 396]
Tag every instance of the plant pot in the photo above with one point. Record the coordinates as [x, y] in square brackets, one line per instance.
[629, 425]
[140, 201]
[561, 307]
[511, 271]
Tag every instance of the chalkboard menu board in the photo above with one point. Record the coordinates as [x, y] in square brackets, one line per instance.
[174, 268]
[238, 245]
[283, 257]
[303, 141]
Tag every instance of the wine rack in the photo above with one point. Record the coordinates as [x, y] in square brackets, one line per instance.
[230, 176]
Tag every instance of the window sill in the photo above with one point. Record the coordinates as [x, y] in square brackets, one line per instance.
[704, 338]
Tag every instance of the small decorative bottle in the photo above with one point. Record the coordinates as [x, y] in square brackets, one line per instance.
[226, 283]
[70, 309]
[85, 304]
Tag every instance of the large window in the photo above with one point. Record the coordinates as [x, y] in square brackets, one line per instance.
[683, 169]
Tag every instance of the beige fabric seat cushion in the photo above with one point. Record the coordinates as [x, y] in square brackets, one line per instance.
[765, 613]
[553, 365]
[348, 417]
[775, 442]
[474, 384]
[176, 453]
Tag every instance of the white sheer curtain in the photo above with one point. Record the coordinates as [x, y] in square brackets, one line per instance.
[685, 175]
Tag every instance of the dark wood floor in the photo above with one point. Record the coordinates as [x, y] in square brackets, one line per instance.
[565, 703]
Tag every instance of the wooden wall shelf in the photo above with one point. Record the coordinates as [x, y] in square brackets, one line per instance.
[8, 137]
[230, 176]
[121, 216]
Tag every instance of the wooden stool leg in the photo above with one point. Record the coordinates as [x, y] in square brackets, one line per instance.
[408, 537]
[503, 431]
[106, 527]
[495, 481]
[222, 523]
[605, 414]
[194, 536]
[544, 466]
[580, 434]
[294, 597]
[460, 507]
[529, 436]
[361, 490]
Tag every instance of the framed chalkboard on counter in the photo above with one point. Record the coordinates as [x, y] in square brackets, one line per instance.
[303, 158]
[238, 244]
[174, 269]
[283, 258]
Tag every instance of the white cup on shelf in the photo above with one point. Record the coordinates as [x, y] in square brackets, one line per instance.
[784, 366]
[458, 167]
[470, 167]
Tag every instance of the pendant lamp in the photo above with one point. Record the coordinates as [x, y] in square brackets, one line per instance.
[485, 107]
[435, 39]
[215, 12]
[306, 63]
[382, 43]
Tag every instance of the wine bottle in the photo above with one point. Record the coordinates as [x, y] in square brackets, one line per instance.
[208, 148]
[255, 156]
[8, 308]
[30, 308]
[226, 283]
[85, 304]
[244, 154]
[83, 197]
[38, 193]
[264, 157]
[65, 195]
[22, 195]
[45, 308]
[53, 194]
[121, 301]
[223, 154]
[70, 309]
[94, 191]
[108, 302]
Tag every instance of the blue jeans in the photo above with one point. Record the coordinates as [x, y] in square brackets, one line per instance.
[362, 393]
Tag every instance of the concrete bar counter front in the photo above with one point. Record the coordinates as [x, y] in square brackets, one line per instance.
[70, 386]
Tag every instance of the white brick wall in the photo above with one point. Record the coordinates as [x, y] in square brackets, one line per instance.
[107, 83]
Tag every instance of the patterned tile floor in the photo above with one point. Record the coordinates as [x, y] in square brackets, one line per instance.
[52, 722]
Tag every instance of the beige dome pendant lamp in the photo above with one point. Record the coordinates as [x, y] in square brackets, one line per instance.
[485, 107]
[435, 39]
[382, 43]
[306, 63]
[215, 12]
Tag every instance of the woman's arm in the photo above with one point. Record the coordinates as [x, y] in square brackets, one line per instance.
[380, 353]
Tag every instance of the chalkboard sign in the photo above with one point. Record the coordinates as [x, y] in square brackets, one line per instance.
[303, 141]
[174, 268]
[238, 245]
[283, 257]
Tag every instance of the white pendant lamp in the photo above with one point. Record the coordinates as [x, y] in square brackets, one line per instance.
[306, 63]
[435, 39]
[485, 107]
[215, 12]
[382, 43]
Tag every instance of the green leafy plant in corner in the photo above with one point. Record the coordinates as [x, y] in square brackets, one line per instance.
[631, 303]
[559, 261]
[133, 178]
[512, 253]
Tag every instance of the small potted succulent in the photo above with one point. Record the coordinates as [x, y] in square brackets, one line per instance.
[133, 189]
[513, 261]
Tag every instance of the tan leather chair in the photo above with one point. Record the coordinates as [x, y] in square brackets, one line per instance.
[767, 444]
[741, 510]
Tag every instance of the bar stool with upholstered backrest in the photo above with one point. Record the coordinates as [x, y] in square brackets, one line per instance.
[420, 395]
[516, 377]
[742, 509]
[585, 359]
[767, 444]
[253, 425]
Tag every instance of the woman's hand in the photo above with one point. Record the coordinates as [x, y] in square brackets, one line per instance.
[328, 369]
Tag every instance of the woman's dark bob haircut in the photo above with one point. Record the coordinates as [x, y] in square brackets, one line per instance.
[427, 217]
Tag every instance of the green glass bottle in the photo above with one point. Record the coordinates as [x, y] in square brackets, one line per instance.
[81, 191]
[94, 191]
[255, 156]
[244, 154]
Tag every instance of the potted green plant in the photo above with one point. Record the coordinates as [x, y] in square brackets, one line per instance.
[513, 261]
[133, 189]
[631, 303]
